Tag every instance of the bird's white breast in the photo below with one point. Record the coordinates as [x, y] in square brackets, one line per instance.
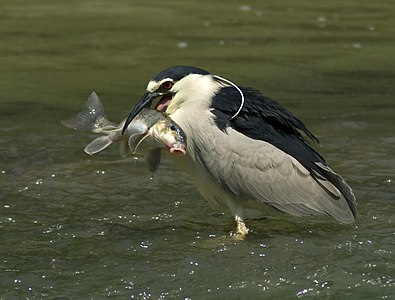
[232, 170]
[210, 156]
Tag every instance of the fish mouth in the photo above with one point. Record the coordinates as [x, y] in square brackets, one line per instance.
[178, 150]
[164, 102]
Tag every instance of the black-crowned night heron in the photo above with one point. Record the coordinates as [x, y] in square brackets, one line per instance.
[246, 152]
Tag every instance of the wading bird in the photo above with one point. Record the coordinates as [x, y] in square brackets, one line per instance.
[245, 151]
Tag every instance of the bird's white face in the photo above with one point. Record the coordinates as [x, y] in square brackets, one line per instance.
[186, 90]
[192, 92]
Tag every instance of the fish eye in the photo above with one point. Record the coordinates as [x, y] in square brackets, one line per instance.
[173, 127]
[167, 85]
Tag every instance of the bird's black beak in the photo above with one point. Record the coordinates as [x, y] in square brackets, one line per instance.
[144, 102]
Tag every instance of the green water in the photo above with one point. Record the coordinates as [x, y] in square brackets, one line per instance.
[80, 227]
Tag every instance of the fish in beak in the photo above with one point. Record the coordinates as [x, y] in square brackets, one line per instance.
[144, 102]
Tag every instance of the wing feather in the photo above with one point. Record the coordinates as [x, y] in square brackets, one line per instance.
[273, 135]
[256, 170]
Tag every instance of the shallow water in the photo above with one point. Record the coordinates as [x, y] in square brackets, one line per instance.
[74, 226]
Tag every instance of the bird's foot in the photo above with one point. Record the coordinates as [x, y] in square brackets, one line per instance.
[241, 231]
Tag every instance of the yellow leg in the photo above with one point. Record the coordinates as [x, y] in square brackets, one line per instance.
[242, 229]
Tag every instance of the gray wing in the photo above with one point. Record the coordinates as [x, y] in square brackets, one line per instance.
[256, 170]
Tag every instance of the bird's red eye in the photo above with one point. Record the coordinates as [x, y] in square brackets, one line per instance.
[167, 85]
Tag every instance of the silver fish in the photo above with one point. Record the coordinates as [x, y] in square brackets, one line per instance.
[150, 125]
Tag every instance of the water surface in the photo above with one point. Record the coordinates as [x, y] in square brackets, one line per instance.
[74, 226]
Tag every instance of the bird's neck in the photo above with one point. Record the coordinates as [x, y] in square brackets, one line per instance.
[195, 125]
[190, 109]
[193, 94]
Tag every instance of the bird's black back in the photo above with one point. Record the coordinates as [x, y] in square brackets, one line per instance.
[264, 119]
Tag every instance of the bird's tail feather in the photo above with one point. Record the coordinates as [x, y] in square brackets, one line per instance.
[339, 184]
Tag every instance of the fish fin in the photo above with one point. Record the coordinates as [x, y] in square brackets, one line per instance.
[152, 159]
[138, 132]
[91, 117]
[135, 132]
[97, 145]
[124, 148]
[134, 142]
[140, 141]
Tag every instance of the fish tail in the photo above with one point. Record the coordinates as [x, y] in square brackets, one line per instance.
[98, 145]
[91, 116]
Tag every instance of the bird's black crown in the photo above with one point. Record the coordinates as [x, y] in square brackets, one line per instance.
[178, 72]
